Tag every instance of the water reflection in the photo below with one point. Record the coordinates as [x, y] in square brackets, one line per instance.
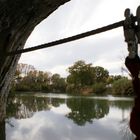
[85, 110]
[32, 117]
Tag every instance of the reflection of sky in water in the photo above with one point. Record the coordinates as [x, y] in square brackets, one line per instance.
[54, 125]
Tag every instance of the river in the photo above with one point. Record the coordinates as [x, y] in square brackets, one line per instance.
[64, 117]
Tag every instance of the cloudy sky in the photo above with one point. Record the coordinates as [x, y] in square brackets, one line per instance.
[107, 49]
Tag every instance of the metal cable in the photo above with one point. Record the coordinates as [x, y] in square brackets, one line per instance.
[68, 39]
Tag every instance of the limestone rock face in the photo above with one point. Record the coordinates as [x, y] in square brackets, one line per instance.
[17, 20]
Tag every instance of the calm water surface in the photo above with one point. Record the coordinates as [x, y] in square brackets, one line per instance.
[62, 117]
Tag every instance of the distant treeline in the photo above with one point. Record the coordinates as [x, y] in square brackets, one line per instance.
[83, 79]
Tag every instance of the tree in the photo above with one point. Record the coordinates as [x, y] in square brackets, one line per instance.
[99, 88]
[101, 74]
[81, 74]
[58, 83]
[122, 86]
[113, 78]
[34, 81]
[46, 81]
[27, 78]
[18, 18]
[24, 68]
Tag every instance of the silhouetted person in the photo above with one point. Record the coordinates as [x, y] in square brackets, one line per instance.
[133, 66]
[132, 62]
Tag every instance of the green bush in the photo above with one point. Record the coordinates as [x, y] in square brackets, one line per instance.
[45, 88]
[22, 87]
[122, 87]
[72, 89]
[99, 88]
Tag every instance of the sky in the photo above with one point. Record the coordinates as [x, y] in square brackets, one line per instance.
[107, 49]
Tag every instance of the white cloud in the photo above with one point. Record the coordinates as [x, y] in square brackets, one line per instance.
[60, 69]
[76, 17]
[62, 109]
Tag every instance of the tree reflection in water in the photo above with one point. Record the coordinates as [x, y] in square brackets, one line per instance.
[83, 110]
[125, 130]
[124, 123]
